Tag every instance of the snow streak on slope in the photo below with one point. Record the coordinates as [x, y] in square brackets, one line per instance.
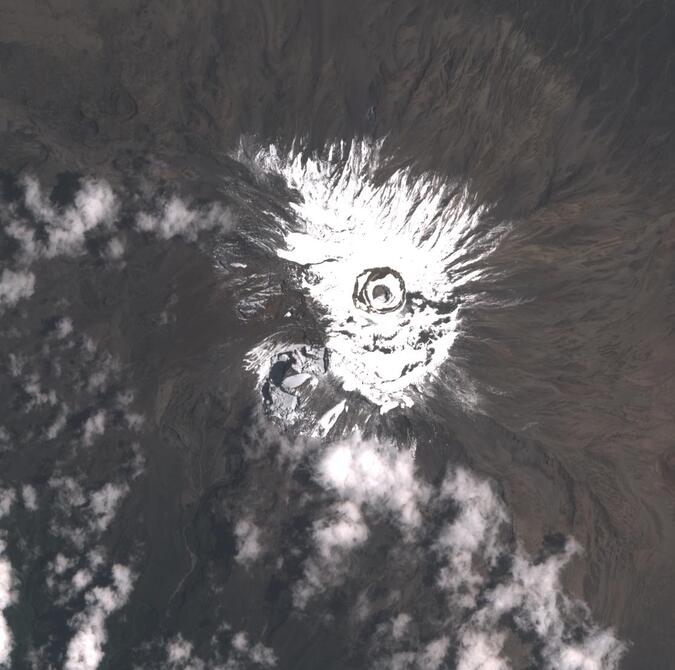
[383, 257]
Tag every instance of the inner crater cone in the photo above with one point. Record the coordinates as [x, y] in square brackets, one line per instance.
[379, 290]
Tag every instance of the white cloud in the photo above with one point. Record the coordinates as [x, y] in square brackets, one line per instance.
[428, 657]
[7, 497]
[365, 475]
[16, 364]
[240, 641]
[38, 397]
[176, 218]
[96, 558]
[262, 656]
[533, 595]
[81, 579]
[29, 495]
[334, 537]
[94, 425]
[115, 248]
[399, 625]
[248, 542]
[85, 650]
[598, 652]
[125, 398]
[261, 433]
[371, 478]
[243, 656]
[15, 286]
[346, 530]
[94, 205]
[98, 380]
[66, 581]
[375, 474]
[7, 597]
[55, 232]
[104, 504]
[58, 424]
[178, 651]
[481, 651]
[107, 369]
[477, 526]
[89, 346]
[134, 420]
[62, 563]
[81, 517]
[138, 464]
[69, 492]
[64, 327]
[434, 653]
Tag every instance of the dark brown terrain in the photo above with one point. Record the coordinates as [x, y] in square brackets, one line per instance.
[560, 116]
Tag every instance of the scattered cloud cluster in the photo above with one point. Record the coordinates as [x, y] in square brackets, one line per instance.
[484, 575]
[241, 654]
[7, 498]
[103, 504]
[249, 548]
[15, 286]
[63, 328]
[73, 377]
[93, 426]
[62, 231]
[531, 593]
[29, 497]
[38, 397]
[6, 599]
[44, 230]
[79, 519]
[261, 433]
[175, 218]
[49, 231]
[375, 474]
[78, 515]
[533, 596]
[477, 528]
[81, 516]
[366, 476]
[335, 536]
[429, 656]
[70, 392]
[114, 249]
[72, 577]
[7, 591]
[85, 649]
